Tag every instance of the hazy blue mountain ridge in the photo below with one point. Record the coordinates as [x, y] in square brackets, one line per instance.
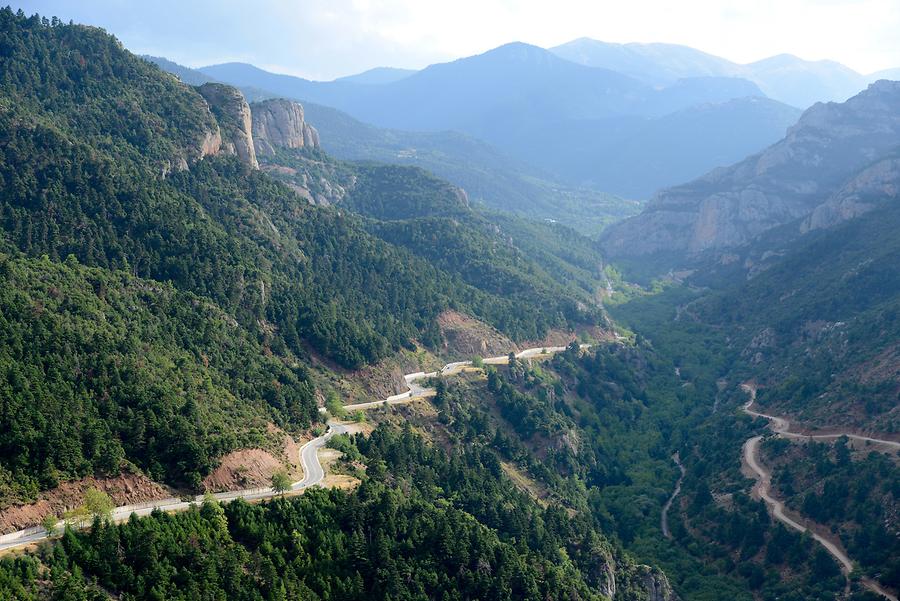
[378, 75]
[525, 100]
[783, 77]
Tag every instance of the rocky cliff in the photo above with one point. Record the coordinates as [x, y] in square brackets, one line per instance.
[655, 583]
[830, 166]
[279, 123]
[232, 112]
[639, 582]
[208, 143]
[857, 196]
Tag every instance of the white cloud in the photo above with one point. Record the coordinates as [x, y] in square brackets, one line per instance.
[329, 38]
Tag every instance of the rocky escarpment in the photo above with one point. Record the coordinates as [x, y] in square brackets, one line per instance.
[207, 144]
[832, 145]
[655, 583]
[279, 123]
[617, 578]
[232, 112]
[639, 582]
[859, 195]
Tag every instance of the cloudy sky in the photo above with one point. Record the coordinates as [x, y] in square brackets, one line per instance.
[323, 39]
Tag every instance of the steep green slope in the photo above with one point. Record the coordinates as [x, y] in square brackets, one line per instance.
[217, 230]
[84, 183]
[502, 254]
[815, 327]
[519, 262]
[856, 494]
[98, 367]
[108, 160]
[424, 524]
[819, 328]
[116, 103]
[389, 193]
[566, 255]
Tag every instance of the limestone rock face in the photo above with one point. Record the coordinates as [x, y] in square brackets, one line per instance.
[860, 194]
[210, 144]
[310, 136]
[207, 144]
[653, 583]
[607, 580]
[235, 122]
[279, 123]
[830, 146]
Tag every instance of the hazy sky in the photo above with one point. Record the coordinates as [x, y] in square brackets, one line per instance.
[323, 39]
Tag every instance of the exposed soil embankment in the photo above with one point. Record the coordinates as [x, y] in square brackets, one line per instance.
[247, 468]
[253, 468]
[125, 489]
[466, 337]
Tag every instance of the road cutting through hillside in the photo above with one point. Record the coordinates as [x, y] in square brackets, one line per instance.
[763, 486]
[417, 391]
[313, 472]
[664, 516]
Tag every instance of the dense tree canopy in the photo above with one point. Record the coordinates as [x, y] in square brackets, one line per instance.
[98, 366]
[423, 525]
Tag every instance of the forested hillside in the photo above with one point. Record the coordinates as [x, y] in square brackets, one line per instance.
[813, 328]
[218, 228]
[856, 493]
[110, 161]
[423, 525]
[504, 255]
[818, 328]
[491, 252]
[594, 432]
[102, 368]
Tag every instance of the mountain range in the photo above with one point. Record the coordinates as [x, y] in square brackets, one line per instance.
[574, 110]
[783, 77]
[192, 287]
[523, 100]
[489, 176]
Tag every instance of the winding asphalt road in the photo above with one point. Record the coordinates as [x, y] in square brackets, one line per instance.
[417, 391]
[664, 516]
[763, 486]
[313, 473]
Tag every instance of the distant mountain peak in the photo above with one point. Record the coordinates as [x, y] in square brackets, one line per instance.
[516, 46]
[792, 60]
[519, 51]
[783, 57]
[883, 86]
[784, 77]
[233, 64]
[377, 76]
